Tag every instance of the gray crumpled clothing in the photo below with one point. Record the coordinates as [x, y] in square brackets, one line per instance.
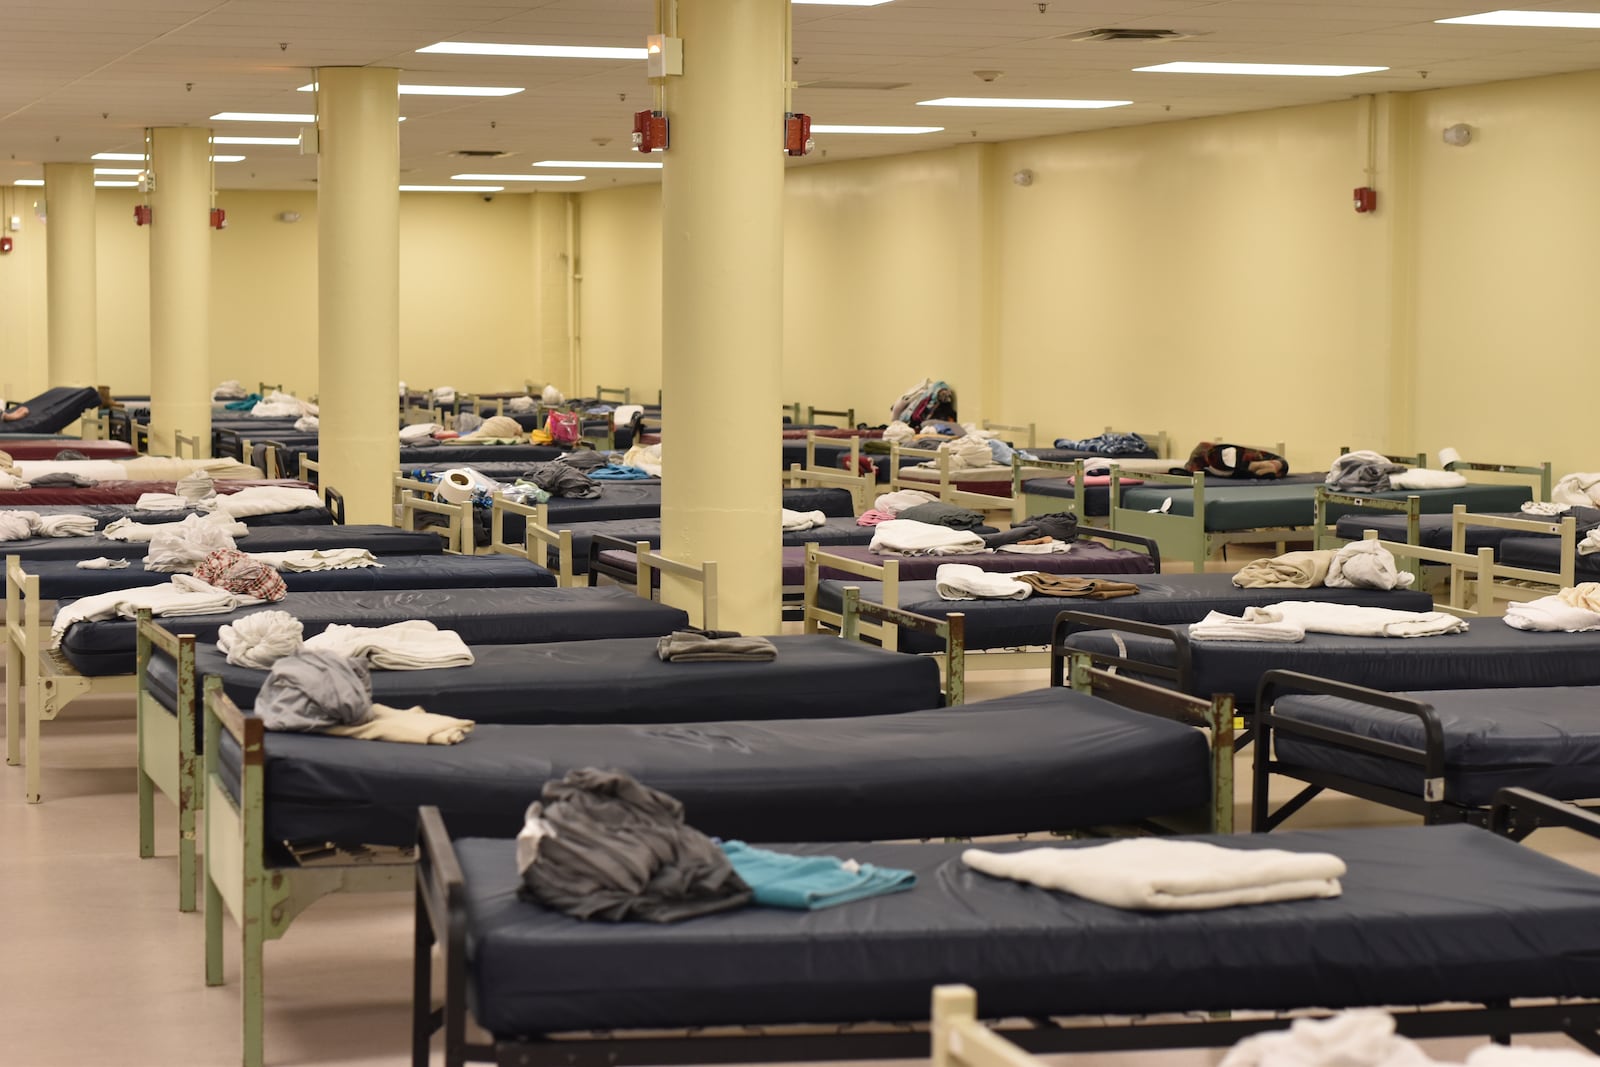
[310, 690]
[941, 514]
[599, 845]
[686, 646]
[561, 479]
[1359, 472]
[62, 479]
[586, 459]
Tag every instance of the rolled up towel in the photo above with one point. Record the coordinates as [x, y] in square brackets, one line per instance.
[1219, 627]
[1292, 570]
[794, 521]
[261, 639]
[1151, 874]
[963, 581]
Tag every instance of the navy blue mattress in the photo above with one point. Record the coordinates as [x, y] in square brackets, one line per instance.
[621, 680]
[54, 410]
[1545, 739]
[59, 579]
[106, 514]
[1544, 554]
[379, 540]
[1428, 914]
[1163, 599]
[1049, 759]
[1490, 655]
[505, 616]
[1434, 530]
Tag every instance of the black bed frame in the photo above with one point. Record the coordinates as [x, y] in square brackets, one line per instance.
[441, 920]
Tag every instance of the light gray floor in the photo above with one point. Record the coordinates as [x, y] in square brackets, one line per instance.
[97, 966]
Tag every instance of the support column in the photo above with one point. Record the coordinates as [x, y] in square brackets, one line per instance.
[71, 299]
[722, 305]
[358, 283]
[180, 288]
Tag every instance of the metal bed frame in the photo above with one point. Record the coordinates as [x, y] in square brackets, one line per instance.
[441, 926]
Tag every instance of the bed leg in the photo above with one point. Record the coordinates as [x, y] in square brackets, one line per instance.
[147, 808]
[214, 907]
[251, 978]
[13, 700]
[421, 984]
[34, 723]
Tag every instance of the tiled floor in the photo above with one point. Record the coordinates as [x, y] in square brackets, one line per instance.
[97, 966]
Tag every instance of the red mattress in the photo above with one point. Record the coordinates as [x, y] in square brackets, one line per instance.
[25, 449]
[120, 492]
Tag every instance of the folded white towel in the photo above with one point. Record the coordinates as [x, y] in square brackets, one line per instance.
[183, 595]
[963, 581]
[1219, 627]
[1426, 478]
[1544, 507]
[803, 520]
[902, 500]
[1049, 548]
[1573, 610]
[102, 563]
[65, 526]
[907, 537]
[413, 645]
[1355, 621]
[1151, 874]
[160, 502]
[261, 639]
[318, 559]
[1366, 565]
[266, 500]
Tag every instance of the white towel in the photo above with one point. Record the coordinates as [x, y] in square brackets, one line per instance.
[1219, 627]
[963, 581]
[902, 500]
[160, 502]
[266, 500]
[1352, 620]
[794, 521]
[102, 563]
[125, 529]
[1361, 1038]
[318, 559]
[17, 525]
[418, 431]
[646, 457]
[183, 595]
[69, 525]
[1573, 610]
[178, 546]
[1581, 489]
[1544, 507]
[1151, 874]
[1425, 478]
[907, 537]
[413, 645]
[1049, 548]
[967, 453]
[307, 423]
[261, 639]
[1589, 544]
[11, 481]
[1366, 565]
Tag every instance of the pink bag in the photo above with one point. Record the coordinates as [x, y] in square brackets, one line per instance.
[563, 427]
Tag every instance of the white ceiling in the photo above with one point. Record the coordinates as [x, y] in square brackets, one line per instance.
[84, 76]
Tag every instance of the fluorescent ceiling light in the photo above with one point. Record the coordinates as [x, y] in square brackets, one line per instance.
[1569, 20]
[442, 90]
[818, 127]
[451, 188]
[548, 51]
[255, 140]
[981, 101]
[139, 157]
[1282, 70]
[517, 177]
[28, 181]
[116, 185]
[599, 164]
[118, 170]
[261, 116]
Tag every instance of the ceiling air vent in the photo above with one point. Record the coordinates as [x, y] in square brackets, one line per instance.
[479, 153]
[853, 85]
[1126, 34]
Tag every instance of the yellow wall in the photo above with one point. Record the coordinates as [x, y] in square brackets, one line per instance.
[619, 296]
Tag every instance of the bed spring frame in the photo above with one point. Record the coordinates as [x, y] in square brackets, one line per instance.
[441, 922]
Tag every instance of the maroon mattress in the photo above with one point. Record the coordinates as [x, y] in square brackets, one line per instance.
[26, 449]
[121, 492]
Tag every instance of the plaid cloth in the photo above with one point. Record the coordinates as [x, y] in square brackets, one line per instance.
[230, 569]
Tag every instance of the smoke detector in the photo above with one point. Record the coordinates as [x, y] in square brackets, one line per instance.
[1125, 34]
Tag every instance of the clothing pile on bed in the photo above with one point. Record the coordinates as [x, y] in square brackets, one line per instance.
[183, 595]
[228, 390]
[315, 690]
[1109, 443]
[22, 525]
[1290, 621]
[714, 646]
[963, 581]
[1358, 565]
[280, 405]
[1372, 472]
[599, 845]
[1573, 610]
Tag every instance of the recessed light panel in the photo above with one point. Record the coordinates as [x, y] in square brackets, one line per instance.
[598, 164]
[452, 188]
[544, 51]
[517, 177]
[818, 127]
[1561, 20]
[442, 90]
[982, 101]
[1279, 70]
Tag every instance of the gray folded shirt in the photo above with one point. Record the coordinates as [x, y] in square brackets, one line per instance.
[686, 647]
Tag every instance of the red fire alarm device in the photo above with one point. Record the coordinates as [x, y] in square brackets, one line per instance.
[1366, 199]
[650, 131]
[219, 219]
[5, 245]
[141, 214]
[797, 133]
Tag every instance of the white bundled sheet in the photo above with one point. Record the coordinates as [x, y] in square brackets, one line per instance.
[963, 581]
[1366, 565]
[795, 521]
[1572, 610]
[318, 559]
[183, 595]
[261, 639]
[1352, 620]
[413, 645]
[1151, 874]
[907, 537]
[1426, 478]
[266, 500]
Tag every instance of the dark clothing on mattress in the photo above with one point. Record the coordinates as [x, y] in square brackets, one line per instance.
[53, 410]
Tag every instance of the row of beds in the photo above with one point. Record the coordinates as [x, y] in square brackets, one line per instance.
[1093, 749]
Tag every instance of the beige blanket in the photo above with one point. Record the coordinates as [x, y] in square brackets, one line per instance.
[1292, 570]
[411, 725]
